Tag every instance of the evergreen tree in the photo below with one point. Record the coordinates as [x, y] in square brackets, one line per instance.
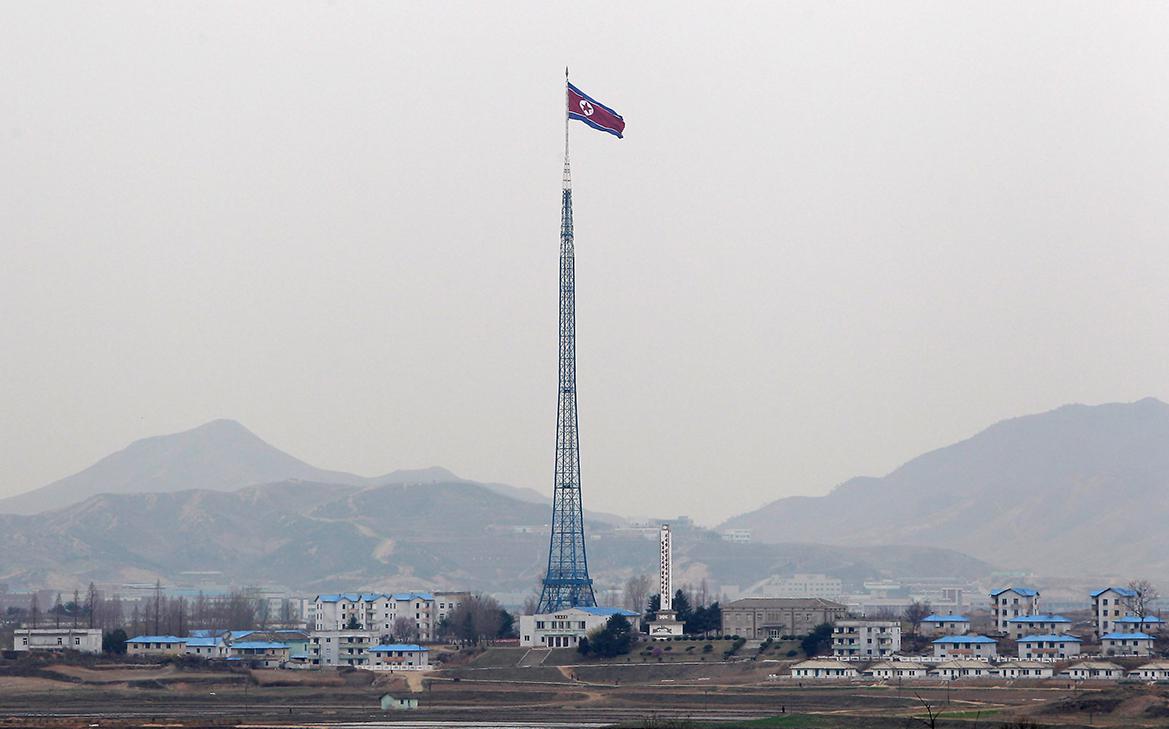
[682, 607]
[615, 639]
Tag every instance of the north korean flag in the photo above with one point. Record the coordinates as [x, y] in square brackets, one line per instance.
[585, 108]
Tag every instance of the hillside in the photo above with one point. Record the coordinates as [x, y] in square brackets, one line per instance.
[1081, 489]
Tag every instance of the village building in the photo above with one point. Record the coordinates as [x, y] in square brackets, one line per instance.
[1035, 624]
[1012, 602]
[1026, 669]
[936, 625]
[978, 647]
[1155, 671]
[823, 668]
[262, 653]
[1132, 624]
[399, 657]
[341, 647]
[760, 618]
[206, 647]
[1093, 670]
[1126, 644]
[156, 645]
[866, 638]
[82, 640]
[964, 668]
[896, 670]
[565, 628]
[1050, 646]
[1110, 604]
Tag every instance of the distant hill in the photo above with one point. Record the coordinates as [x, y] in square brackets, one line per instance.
[1081, 489]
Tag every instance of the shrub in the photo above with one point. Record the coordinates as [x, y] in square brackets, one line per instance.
[707, 648]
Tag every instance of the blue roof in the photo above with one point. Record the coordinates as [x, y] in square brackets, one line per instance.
[413, 596]
[371, 596]
[1122, 591]
[1049, 639]
[947, 619]
[237, 634]
[608, 611]
[1134, 620]
[1022, 591]
[1039, 619]
[1126, 636]
[203, 642]
[157, 639]
[257, 644]
[409, 647]
[965, 639]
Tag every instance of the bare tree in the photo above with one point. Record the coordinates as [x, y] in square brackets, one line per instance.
[915, 614]
[91, 605]
[1144, 595]
[479, 618]
[57, 610]
[405, 630]
[637, 589]
[157, 606]
[34, 610]
[931, 714]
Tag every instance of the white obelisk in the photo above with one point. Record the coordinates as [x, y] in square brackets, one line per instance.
[665, 624]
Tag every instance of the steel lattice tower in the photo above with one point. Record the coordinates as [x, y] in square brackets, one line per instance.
[567, 582]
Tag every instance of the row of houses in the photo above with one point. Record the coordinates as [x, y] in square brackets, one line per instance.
[1114, 610]
[828, 668]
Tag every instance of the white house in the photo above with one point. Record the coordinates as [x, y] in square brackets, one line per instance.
[1060, 647]
[267, 654]
[156, 645]
[964, 669]
[945, 625]
[1110, 604]
[82, 640]
[868, 638]
[965, 646]
[1126, 644]
[206, 647]
[1026, 669]
[896, 670]
[1093, 670]
[399, 657]
[1012, 602]
[565, 628]
[1035, 624]
[1132, 624]
[822, 668]
[1155, 671]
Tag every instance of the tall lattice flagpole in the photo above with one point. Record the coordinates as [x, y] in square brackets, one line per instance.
[567, 582]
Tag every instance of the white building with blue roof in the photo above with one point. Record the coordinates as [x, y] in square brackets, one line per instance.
[399, 657]
[156, 645]
[1132, 624]
[1126, 644]
[1053, 646]
[1012, 602]
[977, 647]
[379, 611]
[565, 628]
[1110, 604]
[1036, 624]
[949, 624]
[206, 646]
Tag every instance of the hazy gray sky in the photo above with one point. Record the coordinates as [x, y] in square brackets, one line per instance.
[835, 235]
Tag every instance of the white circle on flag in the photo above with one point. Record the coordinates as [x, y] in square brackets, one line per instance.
[586, 108]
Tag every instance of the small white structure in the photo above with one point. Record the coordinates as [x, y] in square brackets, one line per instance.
[1155, 671]
[822, 668]
[1126, 644]
[964, 669]
[965, 646]
[1132, 624]
[1012, 602]
[399, 657]
[156, 645]
[665, 624]
[1026, 669]
[867, 638]
[565, 628]
[1093, 670]
[83, 640]
[936, 625]
[896, 670]
[1037, 624]
[394, 703]
[1110, 604]
[1060, 647]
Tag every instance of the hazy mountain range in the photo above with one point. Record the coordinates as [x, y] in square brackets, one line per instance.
[1078, 490]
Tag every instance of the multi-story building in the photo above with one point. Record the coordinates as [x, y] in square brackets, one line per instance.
[1012, 602]
[565, 628]
[399, 657]
[156, 645]
[82, 640]
[800, 585]
[383, 611]
[936, 625]
[868, 638]
[1053, 645]
[965, 646]
[341, 647]
[1126, 644]
[1036, 624]
[759, 618]
[1109, 604]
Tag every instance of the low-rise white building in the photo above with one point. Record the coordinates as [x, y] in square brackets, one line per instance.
[964, 668]
[156, 645]
[82, 640]
[1012, 602]
[1126, 644]
[267, 654]
[823, 668]
[936, 625]
[1026, 669]
[896, 670]
[867, 638]
[1052, 646]
[1037, 624]
[1155, 671]
[1093, 670]
[399, 657]
[1110, 604]
[965, 646]
[565, 628]
[206, 647]
[1150, 624]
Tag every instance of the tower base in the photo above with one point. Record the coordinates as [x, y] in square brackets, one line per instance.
[665, 626]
